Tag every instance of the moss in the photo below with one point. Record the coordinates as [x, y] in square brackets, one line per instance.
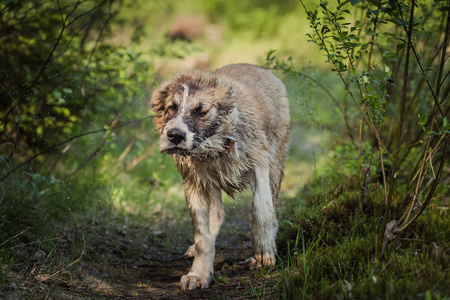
[329, 251]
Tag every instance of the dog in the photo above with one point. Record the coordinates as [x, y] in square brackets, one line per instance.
[226, 131]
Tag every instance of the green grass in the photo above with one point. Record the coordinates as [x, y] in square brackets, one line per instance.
[328, 251]
[114, 212]
[325, 249]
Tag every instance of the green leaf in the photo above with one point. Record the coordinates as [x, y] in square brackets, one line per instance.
[382, 39]
[423, 119]
[58, 95]
[393, 4]
[343, 35]
[355, 2]
[131, 55]
[364, 46]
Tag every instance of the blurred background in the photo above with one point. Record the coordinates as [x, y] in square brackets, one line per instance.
[80, 170]
[89, 66]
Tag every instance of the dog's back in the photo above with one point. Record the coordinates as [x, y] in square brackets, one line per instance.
[262, 102]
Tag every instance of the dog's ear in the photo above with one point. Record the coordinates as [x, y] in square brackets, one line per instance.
[229, 100]
[158, 104]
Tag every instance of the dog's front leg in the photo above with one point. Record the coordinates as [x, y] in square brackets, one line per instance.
[202, 268]
[216, 217]
[264, 221]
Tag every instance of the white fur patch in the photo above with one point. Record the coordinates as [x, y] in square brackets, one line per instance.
[183, 104]
[264, 221]
[202, 268]
[177, 122]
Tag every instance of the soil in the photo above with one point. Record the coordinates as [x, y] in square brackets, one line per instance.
[115, 264]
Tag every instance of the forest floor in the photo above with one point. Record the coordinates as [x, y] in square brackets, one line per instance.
[116, 261]
[138, 254]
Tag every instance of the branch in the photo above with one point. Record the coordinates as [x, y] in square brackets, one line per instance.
[346, 84]
[64, 27]
[9, 93]
[41, 71]
[399, 132]
[96, 151]
[54, 147]
[83, 14]
[431, 193]
[441, 66]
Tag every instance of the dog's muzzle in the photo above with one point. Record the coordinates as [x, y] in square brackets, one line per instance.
[176, 136]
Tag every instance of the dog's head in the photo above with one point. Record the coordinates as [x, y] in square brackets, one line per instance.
[192, 114]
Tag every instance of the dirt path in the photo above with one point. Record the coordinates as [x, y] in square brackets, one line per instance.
[114, 263]
[159, 278]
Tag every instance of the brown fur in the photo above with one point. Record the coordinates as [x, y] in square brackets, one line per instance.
[232, 130]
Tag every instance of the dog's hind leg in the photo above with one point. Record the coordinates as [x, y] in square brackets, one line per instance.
[264, 221]
[202, 268]
[216, 217]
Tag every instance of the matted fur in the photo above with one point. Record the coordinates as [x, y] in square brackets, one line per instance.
[226, 130]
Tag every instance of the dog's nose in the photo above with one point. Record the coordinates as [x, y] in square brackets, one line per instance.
[176, 135]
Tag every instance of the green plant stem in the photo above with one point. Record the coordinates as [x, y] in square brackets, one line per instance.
[441, 65]
[424, 158]
[399, 131]
[431, 193]
[361, 122]
[347, 87]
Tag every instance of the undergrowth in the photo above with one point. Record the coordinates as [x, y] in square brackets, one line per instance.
[328, 249]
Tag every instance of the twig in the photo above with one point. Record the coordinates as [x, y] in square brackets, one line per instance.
[433, 189]
[399, 132]
[363, 199]
[8, 91]
[126, 151]
[83, 93]
[15, 236]
[54, 147]
[86, 13]
[441, 65]
[35, 242]
[45, 65]
[347, 87]
[96, 151]
[72, 263]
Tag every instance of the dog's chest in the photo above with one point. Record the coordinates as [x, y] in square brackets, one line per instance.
[225, 173]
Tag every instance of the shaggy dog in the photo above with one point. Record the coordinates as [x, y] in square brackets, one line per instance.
[226, 130]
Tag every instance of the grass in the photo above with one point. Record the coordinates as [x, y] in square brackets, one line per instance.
[110, 231]
[110, 237]
[94, 234]
[326, 250]
[329, 252]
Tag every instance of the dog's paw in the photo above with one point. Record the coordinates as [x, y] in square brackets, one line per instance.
[190, 253]
[191, 282]
[264, 260]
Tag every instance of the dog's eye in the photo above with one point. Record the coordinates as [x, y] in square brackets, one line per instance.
[200, 112]
[172, 109]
